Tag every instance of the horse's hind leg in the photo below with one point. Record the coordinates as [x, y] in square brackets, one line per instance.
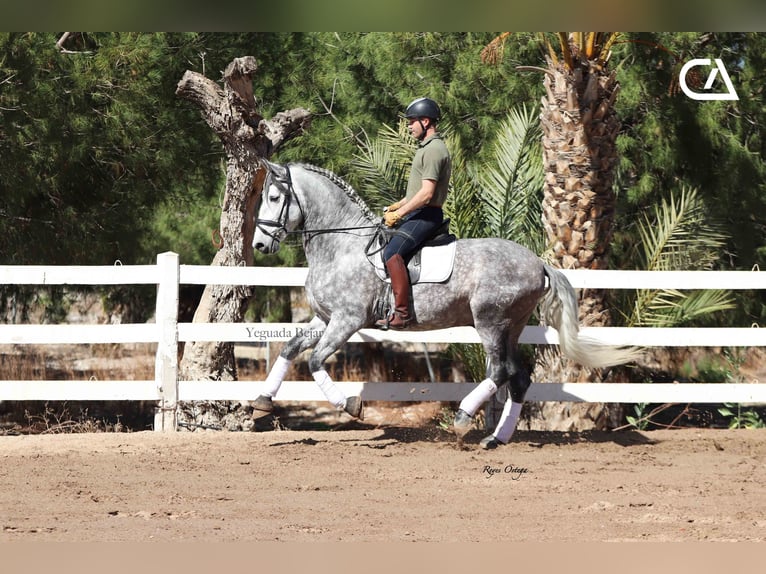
[504, 367]
[497, 375]
[305, 339]
[509, 418]
[518, 381]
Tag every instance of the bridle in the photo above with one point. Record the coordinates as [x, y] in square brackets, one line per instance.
[276, 229]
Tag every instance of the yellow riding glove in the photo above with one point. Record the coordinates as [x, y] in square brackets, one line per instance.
[391, 218]
[394, 206]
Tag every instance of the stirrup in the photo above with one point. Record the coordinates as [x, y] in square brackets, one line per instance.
[393, 317]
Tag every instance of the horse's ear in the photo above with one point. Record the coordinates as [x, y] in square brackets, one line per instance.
[274, 168]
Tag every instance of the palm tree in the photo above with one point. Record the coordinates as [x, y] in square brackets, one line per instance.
[580, 129]
[579, 133]
[511, 181]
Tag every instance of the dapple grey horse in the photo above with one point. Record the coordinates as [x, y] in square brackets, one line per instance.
[495, 286]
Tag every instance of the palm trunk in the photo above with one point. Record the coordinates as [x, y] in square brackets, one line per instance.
[580, 128]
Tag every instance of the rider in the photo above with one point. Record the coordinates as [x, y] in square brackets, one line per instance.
[419, 214]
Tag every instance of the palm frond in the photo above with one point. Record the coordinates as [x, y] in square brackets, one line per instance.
[670, 308]
[566, 51]
[594, 46]
[590, 44]
[512, 180]
[680, 235]
[578, 40]
[492, 53]
[382, 165]
[606, 49]
[464, 195]
[554, 59]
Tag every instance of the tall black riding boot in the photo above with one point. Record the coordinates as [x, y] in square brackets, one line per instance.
[400, 285]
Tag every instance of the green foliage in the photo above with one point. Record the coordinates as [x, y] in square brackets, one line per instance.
[381, 165]
[463, 205]
[511, 180]
[716, 367]
[669, 140]
[357, 82]
[89, 145]
[741, 419]
[681, 235]
[638, 419]
[188, 225]
[678, 236]
[472, 357]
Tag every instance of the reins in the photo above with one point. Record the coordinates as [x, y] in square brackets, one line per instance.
[348, 230]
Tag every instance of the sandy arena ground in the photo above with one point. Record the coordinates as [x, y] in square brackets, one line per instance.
[384, 484]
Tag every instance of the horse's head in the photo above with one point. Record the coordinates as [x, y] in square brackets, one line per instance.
[279, 212]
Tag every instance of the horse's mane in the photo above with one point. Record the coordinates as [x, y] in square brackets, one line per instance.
[344, 185]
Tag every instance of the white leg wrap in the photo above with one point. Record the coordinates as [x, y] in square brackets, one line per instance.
[276, 376]
[333, 393]
[508, 421]
[478, 396]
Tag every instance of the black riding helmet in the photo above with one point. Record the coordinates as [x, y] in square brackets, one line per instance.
[423, 108]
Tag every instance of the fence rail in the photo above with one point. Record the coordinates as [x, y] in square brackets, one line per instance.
[166, 388]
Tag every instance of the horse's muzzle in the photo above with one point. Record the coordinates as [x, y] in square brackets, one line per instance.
[271, 246]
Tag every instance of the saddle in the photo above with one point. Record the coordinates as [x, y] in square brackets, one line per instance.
[433, 263]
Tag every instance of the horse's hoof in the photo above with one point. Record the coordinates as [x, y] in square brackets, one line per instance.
[462, 424]
[490, 443]
[262, 406]
[355, 407]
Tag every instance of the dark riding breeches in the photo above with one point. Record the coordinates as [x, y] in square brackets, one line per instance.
[414, 230]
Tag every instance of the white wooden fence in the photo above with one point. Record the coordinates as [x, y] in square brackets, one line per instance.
[166, 332]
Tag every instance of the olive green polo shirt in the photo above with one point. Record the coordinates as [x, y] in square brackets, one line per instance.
[432, 161]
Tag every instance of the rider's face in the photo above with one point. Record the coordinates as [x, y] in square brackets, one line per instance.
[417, 126]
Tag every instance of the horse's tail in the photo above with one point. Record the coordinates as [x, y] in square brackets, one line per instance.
[559, 309]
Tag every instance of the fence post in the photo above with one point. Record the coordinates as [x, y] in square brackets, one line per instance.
[166, 364]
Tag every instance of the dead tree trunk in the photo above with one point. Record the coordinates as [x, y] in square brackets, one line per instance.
[231, 113]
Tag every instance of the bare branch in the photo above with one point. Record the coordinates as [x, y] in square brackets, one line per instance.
[60, 45]
[535, 69]
[341, 124]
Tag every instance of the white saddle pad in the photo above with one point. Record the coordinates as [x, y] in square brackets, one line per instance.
[432, 264]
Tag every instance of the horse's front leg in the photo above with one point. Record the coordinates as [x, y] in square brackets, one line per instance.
[305, 339]
[504, 367]
[336, 334]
